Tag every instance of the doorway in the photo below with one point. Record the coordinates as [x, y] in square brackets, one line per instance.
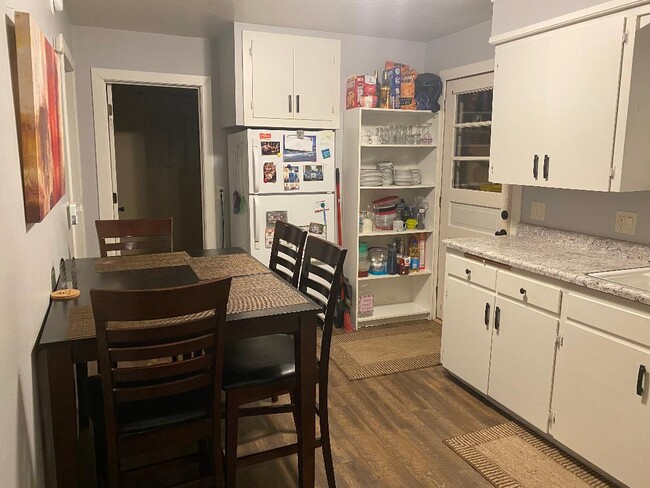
[470, 205]
[155, 136]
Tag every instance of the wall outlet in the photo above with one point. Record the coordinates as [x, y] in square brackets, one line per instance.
[538, 211]
[625, 223]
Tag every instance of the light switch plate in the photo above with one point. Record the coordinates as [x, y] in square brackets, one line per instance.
[538, 211]
[625, 223]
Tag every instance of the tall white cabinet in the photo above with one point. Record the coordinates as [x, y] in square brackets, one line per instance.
[396, 298]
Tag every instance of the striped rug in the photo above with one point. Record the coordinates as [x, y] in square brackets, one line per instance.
[511, 456]
[387, 349]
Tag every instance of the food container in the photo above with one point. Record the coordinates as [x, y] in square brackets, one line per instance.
[384, 220]
[378, 257]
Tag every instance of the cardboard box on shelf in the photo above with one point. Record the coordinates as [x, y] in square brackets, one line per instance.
[361, 91]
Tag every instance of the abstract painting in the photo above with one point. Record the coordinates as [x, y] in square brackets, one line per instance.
[40, 119]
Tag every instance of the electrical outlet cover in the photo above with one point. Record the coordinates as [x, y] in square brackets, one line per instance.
[625, 223]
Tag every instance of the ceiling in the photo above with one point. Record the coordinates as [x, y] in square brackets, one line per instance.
[414, 20]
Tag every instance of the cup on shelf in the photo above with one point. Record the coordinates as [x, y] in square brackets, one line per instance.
[399, 225]
[411, 224]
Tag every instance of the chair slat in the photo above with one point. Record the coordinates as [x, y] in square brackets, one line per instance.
[319, 287]
[287, 250]
[163, 333]
[162, 390]
[295, 236]
[135, 234]
[326, 274]
[279, 260]
[162, 371]
[142, 353]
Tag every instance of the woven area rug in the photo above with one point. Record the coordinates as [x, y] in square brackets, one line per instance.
[387, 349]
[511, 456]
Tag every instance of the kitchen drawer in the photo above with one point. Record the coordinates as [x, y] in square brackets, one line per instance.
[613, 318]
[472, 271]
[529, 291]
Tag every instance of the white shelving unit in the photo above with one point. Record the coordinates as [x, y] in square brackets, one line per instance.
[396, 297]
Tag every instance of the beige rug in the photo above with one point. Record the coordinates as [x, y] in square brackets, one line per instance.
[511, 456]
[387, 349]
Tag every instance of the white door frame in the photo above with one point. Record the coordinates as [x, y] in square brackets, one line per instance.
[100, 79]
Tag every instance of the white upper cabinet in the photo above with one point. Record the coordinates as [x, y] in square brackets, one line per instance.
[571, 107]
[290, 81]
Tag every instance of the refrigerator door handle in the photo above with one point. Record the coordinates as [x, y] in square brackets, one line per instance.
[256, 181]
[256, 228]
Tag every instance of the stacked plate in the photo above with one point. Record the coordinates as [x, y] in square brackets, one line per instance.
[370, 177]
[403, 177]
[386, 168]
[417, 177]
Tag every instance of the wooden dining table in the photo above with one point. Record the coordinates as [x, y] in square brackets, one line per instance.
[61, 358]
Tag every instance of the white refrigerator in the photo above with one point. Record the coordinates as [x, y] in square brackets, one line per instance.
[280, 174]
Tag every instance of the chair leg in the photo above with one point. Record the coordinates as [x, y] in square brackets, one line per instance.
[325, 435]
[232, 428]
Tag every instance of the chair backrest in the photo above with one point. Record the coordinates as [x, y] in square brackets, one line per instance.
[286, 252]
[135, 236]
[320, 279]
[139, 331]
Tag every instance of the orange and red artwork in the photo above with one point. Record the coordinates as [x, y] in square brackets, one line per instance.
[40, 119]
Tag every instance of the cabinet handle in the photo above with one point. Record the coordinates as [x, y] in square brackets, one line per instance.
[468, 271]
[547, 160]
[522, 291]
[290, 105]
[487, 314]
[639, 380]
[497, 318]
[297, 104]
[535, 166]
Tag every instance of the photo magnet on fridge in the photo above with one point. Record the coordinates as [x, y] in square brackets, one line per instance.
[271, 148]
[318, 229]
[299, 149]
[312, 172]
[326, 153]
[270, 173]
[291, 178]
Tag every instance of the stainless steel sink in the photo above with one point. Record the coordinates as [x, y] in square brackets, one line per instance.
[637, 277]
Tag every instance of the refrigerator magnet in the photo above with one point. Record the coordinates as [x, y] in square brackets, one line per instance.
[271, 148]
[312, 172]
[299, 150]
[269, 232]
[326, 153]
[318, 229]
[270, 173]
[272, 216]
[291, 178]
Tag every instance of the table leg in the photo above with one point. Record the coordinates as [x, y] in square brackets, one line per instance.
[306, 398]
[63, 414]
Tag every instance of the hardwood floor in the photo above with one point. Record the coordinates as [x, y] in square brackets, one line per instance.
[386, 432]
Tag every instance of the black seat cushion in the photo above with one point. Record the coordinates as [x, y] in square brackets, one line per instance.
[258, 361]
[141, 416]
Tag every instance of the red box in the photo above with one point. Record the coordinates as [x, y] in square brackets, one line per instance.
[361, 91]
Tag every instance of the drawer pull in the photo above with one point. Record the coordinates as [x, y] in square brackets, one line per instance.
[535, 166]
[497, 318]
[547, 160]
[486, 319]
[639, 380]
[468, 271]
[522, 291]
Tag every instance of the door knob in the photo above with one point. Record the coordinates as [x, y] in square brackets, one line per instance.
[120, 209]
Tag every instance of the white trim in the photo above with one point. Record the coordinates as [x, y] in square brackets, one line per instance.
[467, 70]
[100, 78]
[607, 8]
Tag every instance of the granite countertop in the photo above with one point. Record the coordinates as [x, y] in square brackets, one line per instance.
[562, 255]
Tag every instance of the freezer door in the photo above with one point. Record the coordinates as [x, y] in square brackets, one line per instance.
[288, 162]
[313, 212]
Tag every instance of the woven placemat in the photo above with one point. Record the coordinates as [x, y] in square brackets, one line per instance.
[247, 294]
[511, 456]
[217, 267]
[141, 261]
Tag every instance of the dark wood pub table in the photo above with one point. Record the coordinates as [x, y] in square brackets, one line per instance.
[58, 356]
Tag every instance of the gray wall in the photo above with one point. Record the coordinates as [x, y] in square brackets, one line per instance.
[465, 47]
[27, 254]
[117, 49]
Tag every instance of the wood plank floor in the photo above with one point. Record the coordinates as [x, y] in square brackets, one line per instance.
[386, 432]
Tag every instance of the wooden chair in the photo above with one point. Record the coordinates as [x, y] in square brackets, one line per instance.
[142, 402]
[260, 367]
[136, 236]
[286, 260]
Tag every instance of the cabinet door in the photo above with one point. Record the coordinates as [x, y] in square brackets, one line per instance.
[467, 332]
[523, 354]
[598, 411]
[316, 80]
[518, 115]
[582, 78]
[272, 78]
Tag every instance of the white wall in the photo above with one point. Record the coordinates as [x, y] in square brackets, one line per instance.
[27, 254]
[117, 49]
[461, 48]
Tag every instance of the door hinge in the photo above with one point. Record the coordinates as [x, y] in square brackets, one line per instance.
[251, 104]
[332, 109]
[626, 37]
[114, 198]
[612, 172]
[551, 418]
[250, 49]
[559, 340]
[333, 58]
[110, 110]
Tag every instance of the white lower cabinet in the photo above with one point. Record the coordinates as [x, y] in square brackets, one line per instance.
[600, 397]
[521, 366]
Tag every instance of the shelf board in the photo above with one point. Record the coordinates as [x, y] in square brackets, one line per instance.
[396, 233]
[401, 145]
[395, 310]
[399, 111]
[422, 272]
[397, 187]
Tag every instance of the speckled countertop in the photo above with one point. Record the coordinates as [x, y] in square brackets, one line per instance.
[565, 256]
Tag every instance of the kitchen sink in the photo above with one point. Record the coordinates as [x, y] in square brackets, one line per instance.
[637, 277]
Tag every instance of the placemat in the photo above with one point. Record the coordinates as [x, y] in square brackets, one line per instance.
[141, 261]
[247, 294]
[217, 267]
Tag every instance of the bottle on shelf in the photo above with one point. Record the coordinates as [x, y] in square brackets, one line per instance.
[414, 254]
